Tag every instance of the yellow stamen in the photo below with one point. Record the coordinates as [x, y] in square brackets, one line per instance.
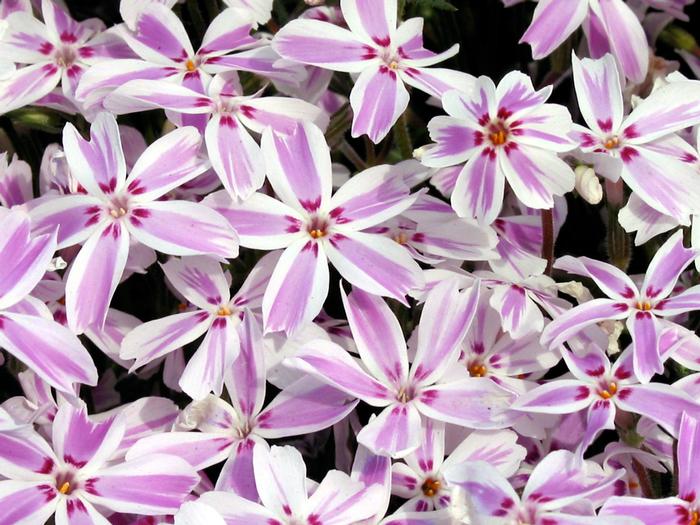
[610, 392]
[644, 306]
[477, 370]
[431, 487]
[394, 65]
[317, 234]
[612, 143]
[401, 238]
[498, 138]
[117, 213]
[65, 488]
[190, 65]
[223, 311]
[694, 518]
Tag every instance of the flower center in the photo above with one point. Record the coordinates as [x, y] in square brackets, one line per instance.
[609, 391]
[224, 311]
[405, 394]
[401, 238]
[65, 56]
[477, 370]
[318, 227]
[644, 306]
[190, 65]
[694, 518]
[612, 143]
[118, 207]
[66, 483]
[431, 487]
[498, 133]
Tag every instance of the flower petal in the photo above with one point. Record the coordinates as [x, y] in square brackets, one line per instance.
[645, 330]
[94, 276]
[455, 141]
[297, 288]
[200, 279]
[599, 92]
[611, 280]
[627, 38]
[26, 502]
[664, 404]
[183, 228]
[229, 30]
[688, 454]
[199, 449]
[646, 511]
[27, 85]
[520, 316]
[280, 474]
[561, 396]
[373, 21]
[479, 189]
[378, 99]
[77, 217]
[666, 267]
[395, 432]
[487, 491]
[25, 40]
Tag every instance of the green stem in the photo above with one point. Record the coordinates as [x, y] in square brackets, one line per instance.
[403, 138]
[548, 239]
[619, 244]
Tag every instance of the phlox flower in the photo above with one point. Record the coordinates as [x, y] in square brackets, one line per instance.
[420, 478]
[230, 431]
[503, 133]
[15, 181]
[385, 57]
[27, 328]
[74, 476]
[610, 26]
[59, 50]
[683, 508]
[280, 477]
[233, 152]
[407, 395]
[643, 308]
[110, 208]
[314, 228]
[602, 389]
[203, 283]
[553, 485]
[640, 148]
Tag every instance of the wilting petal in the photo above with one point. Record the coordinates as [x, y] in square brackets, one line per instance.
[561, 396]
[262, 222]
[374, 263]
[627, 38]
[375, 22]
[200, 279]
[378, 336]
[154, 339]
[645, 330]
[455, 141]
[370, 197]
[476, 402]
[322, 44]
[49, 349]
[520, 316]
[298, 287]
[378, 99]
[665, 184]
[204, 372]
[599, 92]
[536, 175]
[166, 164]
[183, 228]
[445, 320]
[487, 491]
[299, 166]
[610, 279]
[573, 321]
[77, 217]
[94, 276]
[235, 156]
[158, 36]
[662, 403]
[27, 85]
[647, 511]
[478, 192]
[199, 449]
[26, 502]
[99, 164]
[303, 407]
[670, 108]
[84, 443]
[333, 365]
[552, 24]
[395, 432]
[667, 265]
[151, 485]
[247, 386]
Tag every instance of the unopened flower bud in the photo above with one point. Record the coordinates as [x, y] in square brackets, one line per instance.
[588, 185]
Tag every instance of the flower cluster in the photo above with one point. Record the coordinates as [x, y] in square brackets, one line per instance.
[214, 310]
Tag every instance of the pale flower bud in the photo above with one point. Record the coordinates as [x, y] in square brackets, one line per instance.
[576, 290]
[588, 185]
